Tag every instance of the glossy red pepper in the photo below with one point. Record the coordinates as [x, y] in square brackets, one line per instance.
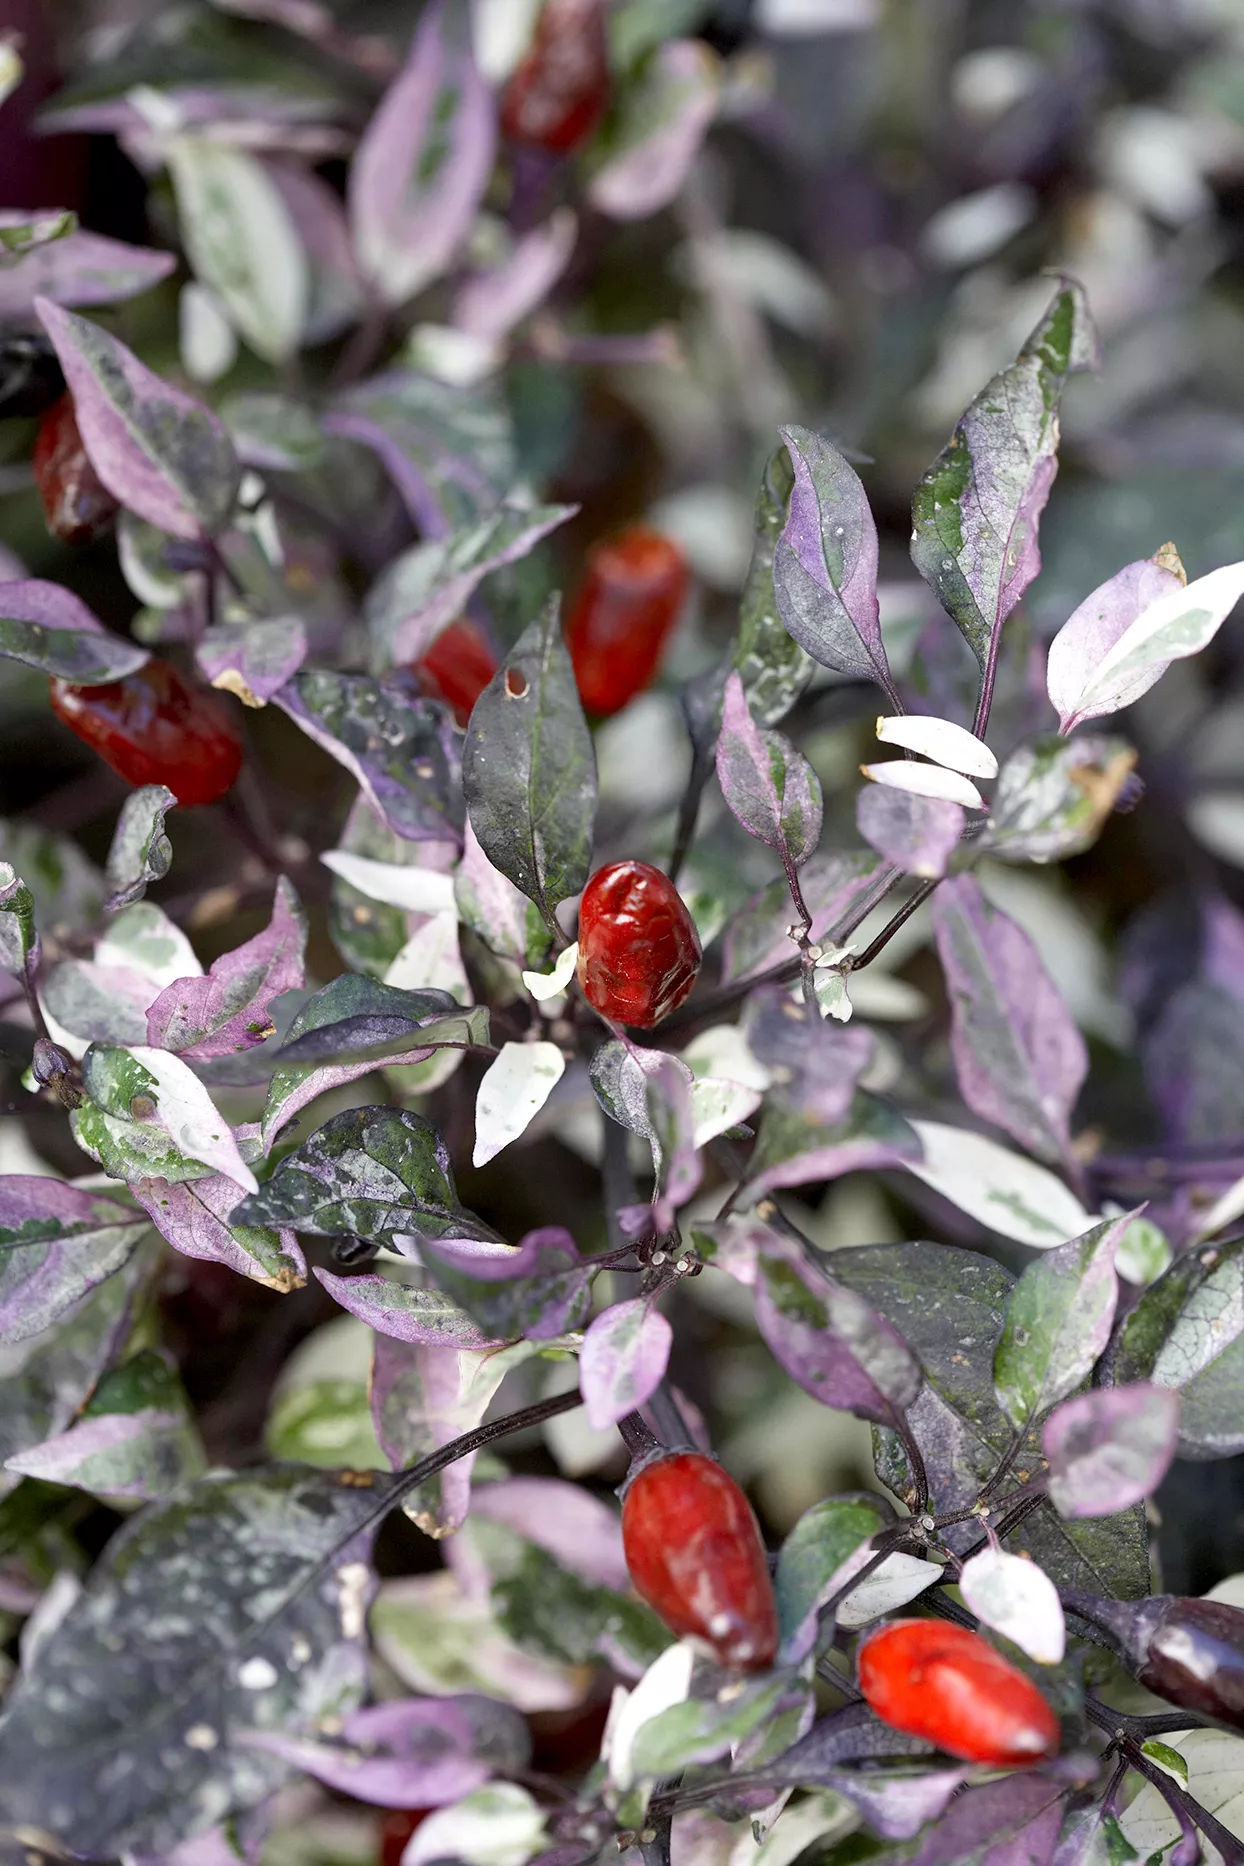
[395, 1831]
[153, 728]
[630, 599]
[558, 94]
[457, 668]
[695, 1555]
[952, 1688]
[639, 953]
[77, 504]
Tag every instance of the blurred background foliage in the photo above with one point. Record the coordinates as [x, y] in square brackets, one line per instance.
[865, 237]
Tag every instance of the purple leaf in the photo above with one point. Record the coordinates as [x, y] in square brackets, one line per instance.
[47, 627]
[825, 564]
[80, 269]
[403, 750]
[834, 885]
[449, 451]
[408, 1753]
[424, 1317]
[56, 1242]
[422, 1397]
[489, 304]
[1110, 1447]
[140, 1455]
[295, 1089]
[623, 1359]
[769, 786]
[195, 1218]
[814, 1065]
[490, 904]
[157, 450]
[790, 1151]
[828, 1338]
[228, 1010]
[253, 659]
[664, 118]
[368, 1026]
[414, 486]
[917, 834]
[1019, 1059]
[319, 220]
[422, 165]
[896, 1805]
[1092, 630]
[671, 1128]
[976, 511]
[576, 1528]
[540, 1288]
[1058, 1321]
[425, 588]
[1011, 1822]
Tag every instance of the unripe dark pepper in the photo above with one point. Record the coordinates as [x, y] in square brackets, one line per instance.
[1190, 1652]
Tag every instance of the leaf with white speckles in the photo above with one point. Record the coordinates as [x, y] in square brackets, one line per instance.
[236, 1602]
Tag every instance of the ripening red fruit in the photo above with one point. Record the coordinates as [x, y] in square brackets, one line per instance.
[153, 728]
[457, 668]
[395, 1831]
[951, 1687]
[695, 1555]
[630, 599]
[558, 94]
[77, 504]
[639, 953]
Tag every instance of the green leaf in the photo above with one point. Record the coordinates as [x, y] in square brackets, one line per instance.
[949, 1305]
[1168, 1759]
[135, 1441]
[815, 1549]
[1187, 1332]
[773, 667]
[976, 511]
[68, 889]
[546, 1609]
[701, 1729]
[140, 851]
[529, 770]
[792, 1151]
[328, 1424]
[49, 1377]
[1053, 797]
[236, 1603]
[241, 241]
[1058, 1321]
[18, 938]
[370, 1172]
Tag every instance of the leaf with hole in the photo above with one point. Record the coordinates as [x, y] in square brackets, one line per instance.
[529, 770]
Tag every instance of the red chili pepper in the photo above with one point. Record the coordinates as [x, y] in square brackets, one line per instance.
[153, 728]
[695, 1555]
[630, 600]
[558, 94]
[951, 1687]
[395, 1831]
[77, 504]
[457, 668]
[639, 953]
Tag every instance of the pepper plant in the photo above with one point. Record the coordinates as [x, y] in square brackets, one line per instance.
[351, 561]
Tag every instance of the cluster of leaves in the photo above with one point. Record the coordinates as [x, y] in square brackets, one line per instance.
[1027, 1385]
